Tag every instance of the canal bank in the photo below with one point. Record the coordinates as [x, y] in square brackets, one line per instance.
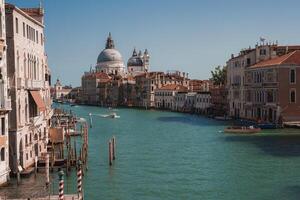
[168, 155]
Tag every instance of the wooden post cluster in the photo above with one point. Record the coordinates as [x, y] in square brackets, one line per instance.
[111, 150]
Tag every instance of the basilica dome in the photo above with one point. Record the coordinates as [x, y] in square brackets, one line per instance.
[135, 59]
[110, 60]
[109, 55]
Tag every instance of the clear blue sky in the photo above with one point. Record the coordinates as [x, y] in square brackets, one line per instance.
[187, 35]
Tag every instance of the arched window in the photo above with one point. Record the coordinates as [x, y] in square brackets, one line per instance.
[292, 76]
[2, 154]
[293, 96]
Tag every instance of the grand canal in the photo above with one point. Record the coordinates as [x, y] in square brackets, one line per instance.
[166, 155]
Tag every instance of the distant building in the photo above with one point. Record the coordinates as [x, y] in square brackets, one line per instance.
[147, 83]
[5, 101]
[61, 92]
[199, 85]
[75, 94]
[30, 86]
[138, 63]
[91, 86]
[165, 96]
[219, 101]
[202, 103]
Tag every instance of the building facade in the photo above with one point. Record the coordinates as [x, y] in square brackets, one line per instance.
[29, 77]
[271, 89]
[5, 101]
[236, 67]
[202, 102]
[165, 96]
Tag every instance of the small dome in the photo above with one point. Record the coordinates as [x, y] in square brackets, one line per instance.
[109, 55]
[135, 61]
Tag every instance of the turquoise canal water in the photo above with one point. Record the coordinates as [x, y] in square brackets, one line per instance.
[169, 156]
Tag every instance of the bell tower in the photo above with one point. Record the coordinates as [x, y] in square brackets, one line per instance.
[146, 59]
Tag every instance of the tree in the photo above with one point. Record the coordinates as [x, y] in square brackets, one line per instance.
[218, 75]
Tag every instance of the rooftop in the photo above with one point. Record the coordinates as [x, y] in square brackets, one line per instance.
[292, 58]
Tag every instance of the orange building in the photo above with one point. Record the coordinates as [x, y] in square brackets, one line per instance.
[271, 89]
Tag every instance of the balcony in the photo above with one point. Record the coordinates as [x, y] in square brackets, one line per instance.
[34, 84]
[37, 120]
[5, 105]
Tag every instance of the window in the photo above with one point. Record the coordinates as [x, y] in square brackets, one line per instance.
[2, 154]
[17, 26]
[263, 52]
[2, 126]
[27, 31]
[42, 40]
[0, 23]
[292, 96]
[24, 35]
[248, 61]
[292, 76]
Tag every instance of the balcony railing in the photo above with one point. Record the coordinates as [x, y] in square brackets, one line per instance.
[34, 84]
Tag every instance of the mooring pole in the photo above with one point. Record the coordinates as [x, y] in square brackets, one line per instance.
[35, 165]
[110, 152]
[61, 185]
[91, 120]
[114, 147]
[47, 170]
[79, 180]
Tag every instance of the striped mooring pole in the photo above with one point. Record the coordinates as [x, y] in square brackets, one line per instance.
[61, 185]
[79, 181]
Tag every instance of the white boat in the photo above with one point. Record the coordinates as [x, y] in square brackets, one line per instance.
[242, 130]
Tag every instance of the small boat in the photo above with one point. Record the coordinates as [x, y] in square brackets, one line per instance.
[242, 129]
[112, 115]
[267, 125]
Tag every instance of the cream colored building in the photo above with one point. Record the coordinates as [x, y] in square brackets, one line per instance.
[61, 92]
[5, 103]
[30, 86]
[165, 96]
[202, 102]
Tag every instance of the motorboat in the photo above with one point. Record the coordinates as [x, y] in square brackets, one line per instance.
[242, 129]
[112, 115]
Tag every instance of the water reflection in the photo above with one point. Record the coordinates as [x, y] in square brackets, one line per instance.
[276, 145]
[192, 120]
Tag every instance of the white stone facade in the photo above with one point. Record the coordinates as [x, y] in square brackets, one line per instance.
[30, 86]
[202, 102]
[5, 103]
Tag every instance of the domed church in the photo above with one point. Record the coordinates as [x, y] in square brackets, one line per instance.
[110, 60]
[138, 63]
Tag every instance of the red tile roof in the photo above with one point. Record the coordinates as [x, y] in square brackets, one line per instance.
[99, 75]
[174, 87]
[292, 58]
